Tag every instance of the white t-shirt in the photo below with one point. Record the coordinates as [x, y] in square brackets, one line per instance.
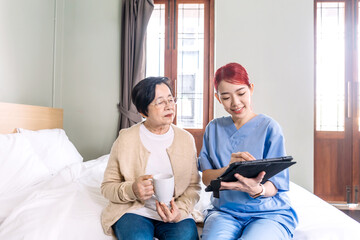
[158, 162]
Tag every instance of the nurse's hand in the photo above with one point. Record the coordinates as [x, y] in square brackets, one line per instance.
[143, 187]
[241, 156]
[243, 184]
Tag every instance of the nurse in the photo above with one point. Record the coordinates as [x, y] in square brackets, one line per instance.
[247, 209]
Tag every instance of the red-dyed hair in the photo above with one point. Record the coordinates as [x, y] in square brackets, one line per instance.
[232, 73]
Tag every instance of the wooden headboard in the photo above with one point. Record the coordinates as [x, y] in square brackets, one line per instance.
[14, 116]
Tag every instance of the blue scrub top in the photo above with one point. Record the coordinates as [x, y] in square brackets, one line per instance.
[261, 137]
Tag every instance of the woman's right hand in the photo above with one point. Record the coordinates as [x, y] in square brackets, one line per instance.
[143, 187]
[243, 184]
[241, 156]
[211, 174]
[249, 185]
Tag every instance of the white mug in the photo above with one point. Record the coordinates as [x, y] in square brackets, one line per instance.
[164, 187]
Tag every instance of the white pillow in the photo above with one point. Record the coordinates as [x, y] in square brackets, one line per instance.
[53, 147]
[20, 166]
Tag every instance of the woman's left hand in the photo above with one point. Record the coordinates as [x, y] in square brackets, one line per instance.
[166, 214]
[243, 184]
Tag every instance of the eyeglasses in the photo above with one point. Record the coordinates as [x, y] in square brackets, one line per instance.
[161, 103]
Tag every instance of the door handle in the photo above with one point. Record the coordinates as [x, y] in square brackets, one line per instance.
[348, 192]
[349, 99]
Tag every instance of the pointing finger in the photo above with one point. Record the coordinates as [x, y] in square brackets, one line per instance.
[247, 156]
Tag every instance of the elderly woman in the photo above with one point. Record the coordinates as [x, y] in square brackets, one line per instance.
[141, 151]
[247, 209]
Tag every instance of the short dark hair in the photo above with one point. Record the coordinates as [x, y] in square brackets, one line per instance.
[144, 92]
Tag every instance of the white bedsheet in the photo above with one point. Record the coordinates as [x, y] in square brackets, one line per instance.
[318, 220]
[68, 207]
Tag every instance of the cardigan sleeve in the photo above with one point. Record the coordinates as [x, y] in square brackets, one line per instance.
[113, 186]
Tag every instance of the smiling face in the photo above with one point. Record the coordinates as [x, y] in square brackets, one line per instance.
[236, 100]
[160, 114]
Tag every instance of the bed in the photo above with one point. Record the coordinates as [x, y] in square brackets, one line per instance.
[48, 192]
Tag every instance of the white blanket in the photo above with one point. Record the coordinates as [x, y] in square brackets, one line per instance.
[68, 207]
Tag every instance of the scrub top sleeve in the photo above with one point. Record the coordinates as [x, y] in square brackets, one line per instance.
[281, 180]
[203, 163]
[275, 147]
[275, 142]
[204, 160]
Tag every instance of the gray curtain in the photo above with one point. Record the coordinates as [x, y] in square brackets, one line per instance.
[136, 15]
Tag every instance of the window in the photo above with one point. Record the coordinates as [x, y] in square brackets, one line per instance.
[155, 42]
[179, 46]
[330, 68]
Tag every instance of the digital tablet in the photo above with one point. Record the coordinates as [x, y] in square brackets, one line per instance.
[251, 169]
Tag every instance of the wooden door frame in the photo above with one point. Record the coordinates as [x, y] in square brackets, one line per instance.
[355, 108]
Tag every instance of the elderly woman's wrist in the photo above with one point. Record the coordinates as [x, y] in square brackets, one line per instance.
[130, 192]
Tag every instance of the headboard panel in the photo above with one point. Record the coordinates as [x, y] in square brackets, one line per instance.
[14, 116]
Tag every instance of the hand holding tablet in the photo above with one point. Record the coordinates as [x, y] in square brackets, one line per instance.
[251, 169]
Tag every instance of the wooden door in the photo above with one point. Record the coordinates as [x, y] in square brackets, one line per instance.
[336, 137]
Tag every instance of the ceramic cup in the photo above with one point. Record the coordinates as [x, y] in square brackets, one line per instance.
[164, 187]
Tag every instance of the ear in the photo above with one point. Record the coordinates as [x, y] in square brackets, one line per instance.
[251, 88]
[217, 97]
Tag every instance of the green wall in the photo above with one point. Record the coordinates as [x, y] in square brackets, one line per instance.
[65, 53]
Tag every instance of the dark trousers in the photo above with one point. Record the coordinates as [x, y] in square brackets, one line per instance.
[135, 227]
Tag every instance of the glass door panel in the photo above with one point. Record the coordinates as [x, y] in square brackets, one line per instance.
[190, 65]
[330, 66]
[155, 42]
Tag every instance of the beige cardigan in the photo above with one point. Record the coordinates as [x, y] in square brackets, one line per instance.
[128, 160]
